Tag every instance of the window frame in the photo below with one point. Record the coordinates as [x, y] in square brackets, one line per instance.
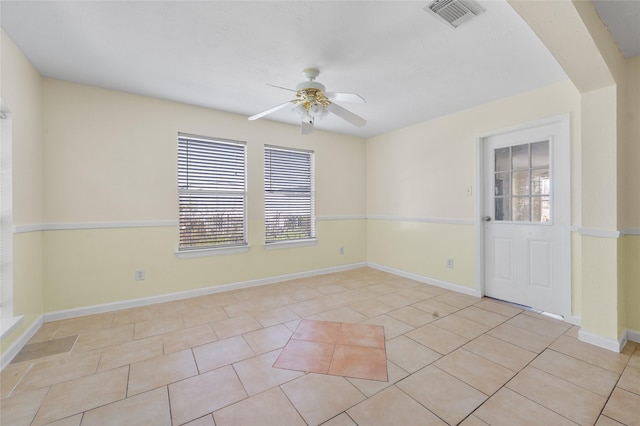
[309, 240]
[188, 251]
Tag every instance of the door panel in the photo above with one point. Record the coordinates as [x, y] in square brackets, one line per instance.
[526, 209]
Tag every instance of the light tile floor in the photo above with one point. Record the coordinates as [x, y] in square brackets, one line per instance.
[451, 359]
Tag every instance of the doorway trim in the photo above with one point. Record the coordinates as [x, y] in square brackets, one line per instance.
[562, 120]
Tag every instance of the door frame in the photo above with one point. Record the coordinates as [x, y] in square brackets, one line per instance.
[480, 184]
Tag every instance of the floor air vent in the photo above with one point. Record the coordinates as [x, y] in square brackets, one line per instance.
[454, 12]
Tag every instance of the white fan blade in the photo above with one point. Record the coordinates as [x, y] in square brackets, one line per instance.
[346, 115]
[270, 110]
[280, 87]
[306, 128]
[345, 97]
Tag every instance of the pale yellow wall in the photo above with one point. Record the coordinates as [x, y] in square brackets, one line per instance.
[21, 92]
[632, 218]
[111, 158]
[632, 272]
[418, 177]
[94, 267]
[632, 157]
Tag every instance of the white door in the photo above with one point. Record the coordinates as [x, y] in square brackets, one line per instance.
[526, 216]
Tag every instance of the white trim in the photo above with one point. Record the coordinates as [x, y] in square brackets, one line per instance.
[603, 342]
[93, 225]
[290, 244]
[16, 346]
[599, 233]
[427, 280]
[630, 231]
[633, 335]
[328, 218]
[574, 320]
[424, 220]
[211, 251]
[133, 303]
[9, 324]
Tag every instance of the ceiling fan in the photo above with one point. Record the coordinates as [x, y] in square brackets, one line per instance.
[312, 102]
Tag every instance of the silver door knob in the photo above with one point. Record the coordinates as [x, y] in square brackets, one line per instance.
[487, 218]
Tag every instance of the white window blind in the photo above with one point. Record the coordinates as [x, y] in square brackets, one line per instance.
[212, 192]
[289, 195]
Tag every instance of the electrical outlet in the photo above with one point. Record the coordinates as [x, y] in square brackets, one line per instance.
[139, 275]
[341, 250]
[450, 262]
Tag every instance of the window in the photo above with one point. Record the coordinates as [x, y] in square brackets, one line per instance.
[212, 192]
[522, 183]
[288, 195]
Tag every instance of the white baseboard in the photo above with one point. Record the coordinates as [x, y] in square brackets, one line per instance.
[16, 346]
[427, 280]
[134, 303]
[633, 335]
[572, 319]
[604, 342]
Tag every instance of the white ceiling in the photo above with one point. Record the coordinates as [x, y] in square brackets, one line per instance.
[408, 65]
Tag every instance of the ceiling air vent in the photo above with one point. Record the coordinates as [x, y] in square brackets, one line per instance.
[454, 12]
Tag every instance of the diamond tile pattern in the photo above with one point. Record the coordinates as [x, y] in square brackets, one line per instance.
[358, 347]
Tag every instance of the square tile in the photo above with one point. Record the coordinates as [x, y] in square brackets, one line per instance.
[392, 407]
[160, 371]
[525, 339]
[150, 408]
[623, 406]
[319, 397]
[130, 352]
[502, 353]
[436, 338]
[630, 380]
[566, 399]
[235, 326]
[474, 370]
[409, 354]
[317, 331]
[220, 353]
[313, 357]
[392, 327]
[359, 362]
[268, 339]
[462, 326]
[83, 394]
[197, 396]
[361, 335]
[257, 374]
[268, 408]
[507, 408]
[21, 408]
[413, 316]
[583, 374]
[444, 395]
[60, 370]
[372, 387]
[592, 354]
[189, 337]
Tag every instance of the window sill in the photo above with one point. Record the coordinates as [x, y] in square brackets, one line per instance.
[290, 244]
[10, 324]
[215, 251]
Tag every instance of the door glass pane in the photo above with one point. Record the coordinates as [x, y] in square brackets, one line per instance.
[502, 184]
[521, 183]
[520, 208]
[540, 182]
[503, 160]
[540, 209]
[503, 208]
[520, 157]
[540, 154]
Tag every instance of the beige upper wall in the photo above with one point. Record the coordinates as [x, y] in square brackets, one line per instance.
[21, 93]
[423, 171]
[632, 157]
[112, 156]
